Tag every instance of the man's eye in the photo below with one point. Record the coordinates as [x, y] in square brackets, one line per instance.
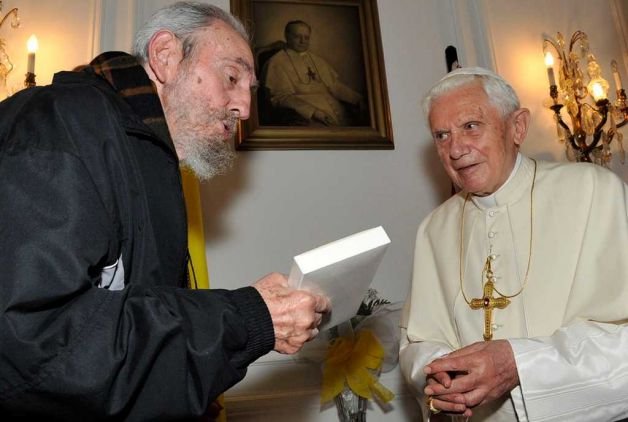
[232, 76]
[471, 126]
[441, 136]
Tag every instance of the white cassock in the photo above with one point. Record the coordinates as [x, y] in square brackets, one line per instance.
[305, 82]
[569, 326]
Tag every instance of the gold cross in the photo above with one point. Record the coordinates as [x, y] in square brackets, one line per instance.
[487, 301]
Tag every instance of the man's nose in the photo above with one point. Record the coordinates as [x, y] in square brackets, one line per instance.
[457, 145]
[241, 103]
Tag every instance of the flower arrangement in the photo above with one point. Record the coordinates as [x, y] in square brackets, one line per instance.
[359, 350]
[371, 303]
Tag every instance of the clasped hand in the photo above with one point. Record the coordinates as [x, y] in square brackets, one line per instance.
[471, 376]
[325, 118]
[296, 314]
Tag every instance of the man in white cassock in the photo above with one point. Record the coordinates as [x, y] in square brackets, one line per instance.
[304, 82]
[519, 300]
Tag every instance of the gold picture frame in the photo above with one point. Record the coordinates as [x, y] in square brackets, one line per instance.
[346, 34]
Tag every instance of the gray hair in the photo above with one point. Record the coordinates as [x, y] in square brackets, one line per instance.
[293, 23]
[499, 92]
[183, 19]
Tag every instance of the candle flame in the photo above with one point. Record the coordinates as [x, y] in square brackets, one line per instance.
[32, 44]
[549, 59]
[598, 91]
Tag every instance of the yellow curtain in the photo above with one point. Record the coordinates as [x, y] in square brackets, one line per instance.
[196, 244]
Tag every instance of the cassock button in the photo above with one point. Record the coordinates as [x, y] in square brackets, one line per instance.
[491, 213]
[491, 234]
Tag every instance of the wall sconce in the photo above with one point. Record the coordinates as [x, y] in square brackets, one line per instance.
[5, 62]
[587, 140]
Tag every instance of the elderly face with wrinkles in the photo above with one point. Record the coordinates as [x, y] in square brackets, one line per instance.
[206, 95]
[476, 144]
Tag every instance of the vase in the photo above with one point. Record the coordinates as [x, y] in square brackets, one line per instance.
[350, 406]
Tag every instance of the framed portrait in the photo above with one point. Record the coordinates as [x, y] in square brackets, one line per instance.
[321, 77]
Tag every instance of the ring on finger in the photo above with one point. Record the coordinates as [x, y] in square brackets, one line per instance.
[430, 405]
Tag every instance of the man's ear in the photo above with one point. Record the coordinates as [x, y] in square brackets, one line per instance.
[165, 53]
[520, 124]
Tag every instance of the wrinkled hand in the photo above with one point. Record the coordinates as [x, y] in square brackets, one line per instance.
[448, 403]
[296, 314]
[324, 118]
[471, 376]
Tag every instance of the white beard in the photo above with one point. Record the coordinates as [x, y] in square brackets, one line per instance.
[193, 129]
[208, 157]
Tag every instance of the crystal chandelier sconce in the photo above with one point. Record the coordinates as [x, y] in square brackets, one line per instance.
[5, 62]
[594, 119]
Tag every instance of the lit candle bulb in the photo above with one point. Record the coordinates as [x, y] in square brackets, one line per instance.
[597, 91]
[616, 75]
[32, 45]
[549, 62]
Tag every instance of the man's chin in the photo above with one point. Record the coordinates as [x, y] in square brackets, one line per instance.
[206, 167]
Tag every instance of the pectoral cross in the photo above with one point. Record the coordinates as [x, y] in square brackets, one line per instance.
[311, 74]
[487, 301]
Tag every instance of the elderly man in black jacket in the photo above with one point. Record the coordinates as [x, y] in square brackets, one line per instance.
[96, 321]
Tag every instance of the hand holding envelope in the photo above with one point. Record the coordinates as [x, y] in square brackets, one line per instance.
[296, 314]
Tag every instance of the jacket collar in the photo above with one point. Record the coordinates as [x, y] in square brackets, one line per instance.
[131, 82]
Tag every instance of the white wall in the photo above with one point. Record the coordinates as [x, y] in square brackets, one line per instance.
[275, 204]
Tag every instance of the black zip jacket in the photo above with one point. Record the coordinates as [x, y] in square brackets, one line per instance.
[86, 185]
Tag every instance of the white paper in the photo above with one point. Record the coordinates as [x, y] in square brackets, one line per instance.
[342, 270]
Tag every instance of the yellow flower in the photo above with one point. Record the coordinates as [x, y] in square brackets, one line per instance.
[353, 361]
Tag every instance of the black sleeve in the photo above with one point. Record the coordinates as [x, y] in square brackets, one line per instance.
[73, 351]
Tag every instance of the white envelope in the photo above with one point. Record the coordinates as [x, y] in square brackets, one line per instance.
[342, 270]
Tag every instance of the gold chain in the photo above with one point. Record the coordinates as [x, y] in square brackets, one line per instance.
[525, 280]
